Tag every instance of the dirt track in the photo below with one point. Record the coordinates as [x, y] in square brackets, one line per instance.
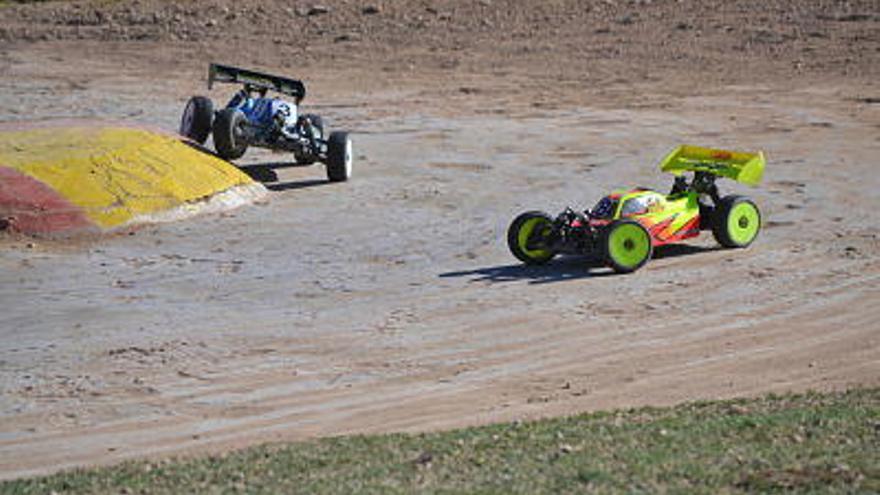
[390, 303]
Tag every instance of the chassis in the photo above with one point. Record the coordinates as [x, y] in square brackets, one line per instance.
[625, 226]
[252, 119]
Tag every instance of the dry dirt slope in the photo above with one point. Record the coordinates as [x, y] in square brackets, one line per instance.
[570, 42]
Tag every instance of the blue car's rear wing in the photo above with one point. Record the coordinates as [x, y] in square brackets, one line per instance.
[228, 74]
[747, 168]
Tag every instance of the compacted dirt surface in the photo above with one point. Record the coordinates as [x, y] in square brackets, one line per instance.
[391, 303]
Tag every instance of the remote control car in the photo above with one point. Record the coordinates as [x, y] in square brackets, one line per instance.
[253, 119]
[625, 226]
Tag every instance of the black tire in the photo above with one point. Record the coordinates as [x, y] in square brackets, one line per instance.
[339, 157]
[197, 118]
[626, 245]
[229, 140]
[522, 229]
[736, 221]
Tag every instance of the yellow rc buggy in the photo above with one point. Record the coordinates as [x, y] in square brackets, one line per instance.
[625, 226]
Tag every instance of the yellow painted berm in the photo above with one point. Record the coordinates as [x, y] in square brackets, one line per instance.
[96, 179]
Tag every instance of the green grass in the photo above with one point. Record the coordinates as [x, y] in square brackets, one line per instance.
[810, 443]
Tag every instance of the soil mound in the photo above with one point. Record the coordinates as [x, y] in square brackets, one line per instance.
[94, 179]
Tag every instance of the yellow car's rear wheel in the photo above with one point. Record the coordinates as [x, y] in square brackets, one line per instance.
[736, 222]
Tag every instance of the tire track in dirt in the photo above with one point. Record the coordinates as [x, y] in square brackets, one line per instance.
[510, 372]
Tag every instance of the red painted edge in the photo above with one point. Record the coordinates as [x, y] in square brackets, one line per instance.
[31, 207]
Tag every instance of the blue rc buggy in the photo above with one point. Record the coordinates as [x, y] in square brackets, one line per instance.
[253, 119]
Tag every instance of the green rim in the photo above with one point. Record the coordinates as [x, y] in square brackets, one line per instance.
[629, 245]
[522, 238]
[743, 223]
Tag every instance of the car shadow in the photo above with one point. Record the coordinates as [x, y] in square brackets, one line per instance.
[676, 250]
[565, 267]
[266, 174]
[558, 270]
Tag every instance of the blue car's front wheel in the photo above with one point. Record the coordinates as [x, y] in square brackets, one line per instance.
[339, 157]
[229, 137]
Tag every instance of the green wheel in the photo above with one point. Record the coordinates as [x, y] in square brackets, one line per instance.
[737, 222]
[627, 246]
[524, 231]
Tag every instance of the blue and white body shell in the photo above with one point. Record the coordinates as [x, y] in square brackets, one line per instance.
[265, 112]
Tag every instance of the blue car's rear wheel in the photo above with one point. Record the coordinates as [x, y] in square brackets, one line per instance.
[198, 115]
[229, 137]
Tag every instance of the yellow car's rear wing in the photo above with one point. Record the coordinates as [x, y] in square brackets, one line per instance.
[747, 168]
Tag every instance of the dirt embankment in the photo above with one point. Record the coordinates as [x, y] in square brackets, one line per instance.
[562, 46]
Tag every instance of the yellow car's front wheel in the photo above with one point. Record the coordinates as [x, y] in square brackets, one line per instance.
[627, 246]
[525, 237]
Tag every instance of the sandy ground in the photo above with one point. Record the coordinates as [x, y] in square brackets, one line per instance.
[390, 303]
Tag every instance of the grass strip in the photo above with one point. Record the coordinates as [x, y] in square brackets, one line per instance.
[793, 443]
